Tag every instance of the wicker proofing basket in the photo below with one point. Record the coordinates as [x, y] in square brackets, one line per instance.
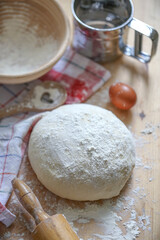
[33, 36]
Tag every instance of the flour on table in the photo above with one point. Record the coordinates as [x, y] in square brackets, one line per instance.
[103, 216]
[151, 129]
[105, 219]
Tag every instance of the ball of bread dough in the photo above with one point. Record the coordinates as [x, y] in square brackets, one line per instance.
[82, 152]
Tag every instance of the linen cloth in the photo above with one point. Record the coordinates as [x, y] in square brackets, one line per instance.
[79, 75]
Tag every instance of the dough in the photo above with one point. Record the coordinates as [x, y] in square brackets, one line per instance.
[82, 152]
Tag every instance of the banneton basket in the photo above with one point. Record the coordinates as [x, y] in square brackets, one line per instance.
[33, 36]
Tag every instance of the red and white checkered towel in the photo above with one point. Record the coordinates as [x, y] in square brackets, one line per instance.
[80, 76]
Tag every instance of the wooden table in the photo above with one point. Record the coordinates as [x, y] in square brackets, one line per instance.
[144, 122]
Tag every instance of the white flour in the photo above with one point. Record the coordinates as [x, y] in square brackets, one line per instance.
[105, 219]
[114, 219]
[22, 49]
[39, 91]
[151, 129]
[120, 219]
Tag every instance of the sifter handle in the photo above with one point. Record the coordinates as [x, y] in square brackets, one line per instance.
[28, 200]
[141, 29]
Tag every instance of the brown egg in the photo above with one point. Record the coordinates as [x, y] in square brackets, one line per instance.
[122, 96]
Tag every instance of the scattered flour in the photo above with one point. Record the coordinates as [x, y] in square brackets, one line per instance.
[143, 222]
[150, 179]
[132, 230]
[105, 219]
[151, 129]
[140, 192]
[114, 219]
[140, 164]
[110, 219]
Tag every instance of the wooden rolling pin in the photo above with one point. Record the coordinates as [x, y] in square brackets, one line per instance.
[48, 228]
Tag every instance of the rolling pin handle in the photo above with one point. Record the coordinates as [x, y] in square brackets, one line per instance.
[48, 228]
[28, 200]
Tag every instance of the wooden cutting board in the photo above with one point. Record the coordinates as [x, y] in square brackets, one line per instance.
[139, 202]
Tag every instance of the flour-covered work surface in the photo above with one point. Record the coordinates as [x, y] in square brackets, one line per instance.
[123, 217]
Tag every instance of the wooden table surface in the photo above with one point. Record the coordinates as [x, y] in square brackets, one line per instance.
[144, 122]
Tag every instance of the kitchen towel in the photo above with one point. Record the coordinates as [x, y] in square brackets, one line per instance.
[79, 75]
